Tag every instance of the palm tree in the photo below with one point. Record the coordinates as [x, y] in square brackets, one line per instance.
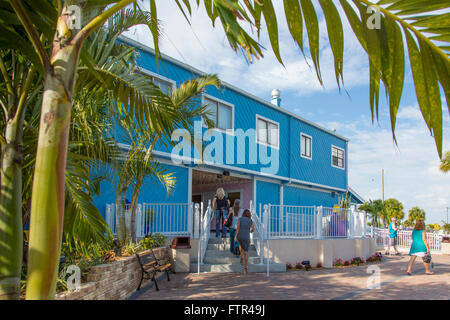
[48, 37]
[445, 162]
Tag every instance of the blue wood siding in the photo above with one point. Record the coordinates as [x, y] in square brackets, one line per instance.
[290, 164]
[303, 197]
[151, 191]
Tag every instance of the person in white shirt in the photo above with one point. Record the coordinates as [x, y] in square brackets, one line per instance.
[235, 213]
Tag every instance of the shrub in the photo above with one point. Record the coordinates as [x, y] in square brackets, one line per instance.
[298, 265]
[346, 263]
[319, 265]
[339, 262]
[289, 266]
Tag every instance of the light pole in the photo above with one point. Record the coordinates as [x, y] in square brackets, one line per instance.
[447, 214]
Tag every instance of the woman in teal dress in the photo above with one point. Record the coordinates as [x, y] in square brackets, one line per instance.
[419, 246]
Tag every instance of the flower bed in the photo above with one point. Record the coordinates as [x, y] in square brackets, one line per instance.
[357, 261]
[299, 266]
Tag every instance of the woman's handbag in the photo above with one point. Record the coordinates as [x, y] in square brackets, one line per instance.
[427, 258]
[228, 221]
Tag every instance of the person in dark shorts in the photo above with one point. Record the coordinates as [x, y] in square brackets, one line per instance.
[244, 227]
[221, 204]
[393, 234]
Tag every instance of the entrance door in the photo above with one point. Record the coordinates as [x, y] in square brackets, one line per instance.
[233, 196]
[197, 198]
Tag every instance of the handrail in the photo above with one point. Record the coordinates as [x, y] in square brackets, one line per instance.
[204, 235]
[258, 229]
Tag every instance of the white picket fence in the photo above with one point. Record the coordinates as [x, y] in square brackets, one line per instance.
[404, 239]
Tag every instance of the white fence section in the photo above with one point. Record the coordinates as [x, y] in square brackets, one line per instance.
[311, 222]
[291, 221]
[169, 219]
[404, 239]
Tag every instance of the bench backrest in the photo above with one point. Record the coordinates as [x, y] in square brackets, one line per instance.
[146, 259]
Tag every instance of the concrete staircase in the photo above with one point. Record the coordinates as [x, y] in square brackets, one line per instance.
[219, 259]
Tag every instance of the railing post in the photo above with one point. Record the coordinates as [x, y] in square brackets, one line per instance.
[196, 221]
[319, 223]
[261, 236]
[190, 218]
[351, 224]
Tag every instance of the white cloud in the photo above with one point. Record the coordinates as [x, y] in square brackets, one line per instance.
[412, 172]
[207, 49]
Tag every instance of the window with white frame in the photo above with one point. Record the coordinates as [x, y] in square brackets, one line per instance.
[220, 114]
[267, 132]
[337, 157]
[305, 146]
[165, 84]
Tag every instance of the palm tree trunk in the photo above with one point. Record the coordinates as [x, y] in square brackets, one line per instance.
[47, 205]
[133, 207]
[11, 232]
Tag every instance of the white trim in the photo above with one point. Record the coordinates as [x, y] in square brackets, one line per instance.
[227, 85]
[254, 191]
[291, 185]
[281, 201]
[257, 134]
[155, 75]
[210, 97]
[301, 140]
[353, 192]
[331, 156]
[189, 184]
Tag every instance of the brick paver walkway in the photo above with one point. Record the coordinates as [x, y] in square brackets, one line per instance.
[345, 283]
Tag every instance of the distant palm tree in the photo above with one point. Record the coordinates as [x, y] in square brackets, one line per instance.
[445, 162]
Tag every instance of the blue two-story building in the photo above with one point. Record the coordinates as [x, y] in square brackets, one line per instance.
[258, 150]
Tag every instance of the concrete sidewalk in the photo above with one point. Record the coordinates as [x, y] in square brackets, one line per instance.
[335, 283]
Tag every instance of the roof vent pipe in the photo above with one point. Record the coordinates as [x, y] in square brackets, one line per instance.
[276, 100]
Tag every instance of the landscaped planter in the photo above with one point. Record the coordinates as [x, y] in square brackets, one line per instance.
[112, 281]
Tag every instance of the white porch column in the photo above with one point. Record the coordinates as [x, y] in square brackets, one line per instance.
[196, 220]
[319, 223]
[351, 224]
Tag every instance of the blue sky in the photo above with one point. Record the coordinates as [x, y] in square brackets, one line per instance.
[412, 174]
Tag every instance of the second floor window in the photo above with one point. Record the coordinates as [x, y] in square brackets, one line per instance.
[305, 146]
[267, 132]
[220, 114]
[165, 86]
[337, 157]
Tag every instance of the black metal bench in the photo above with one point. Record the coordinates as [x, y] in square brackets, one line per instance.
[150, 265]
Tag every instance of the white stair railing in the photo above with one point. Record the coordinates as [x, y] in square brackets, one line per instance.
[259, 232]
[205, 233]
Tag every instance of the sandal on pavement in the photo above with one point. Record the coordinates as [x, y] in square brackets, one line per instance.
[408, 273]
[429, 273]
[245, 271]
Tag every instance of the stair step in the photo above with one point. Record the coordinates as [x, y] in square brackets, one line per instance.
[224, 246]
[223, 254]
[238, 268]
